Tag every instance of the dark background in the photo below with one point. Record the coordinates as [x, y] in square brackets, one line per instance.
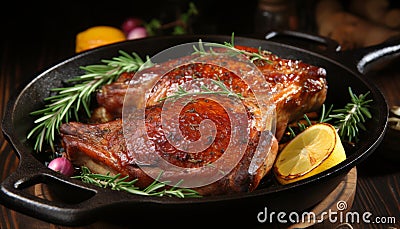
[35, 21]
[27, 25]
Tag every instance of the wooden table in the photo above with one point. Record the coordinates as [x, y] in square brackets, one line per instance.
[378, 178]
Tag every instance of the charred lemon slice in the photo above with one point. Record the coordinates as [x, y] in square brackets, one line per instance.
[314, 150]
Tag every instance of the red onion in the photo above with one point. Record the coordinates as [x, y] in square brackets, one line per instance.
[62, 165]
[138, 32]
[130, 23]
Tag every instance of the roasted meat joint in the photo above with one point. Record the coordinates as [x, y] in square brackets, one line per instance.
[211, 126]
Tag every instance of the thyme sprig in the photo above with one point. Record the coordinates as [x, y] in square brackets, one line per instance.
[181, 92]
[347, 121]
[253, 56]
[115, 182]
[67, 101]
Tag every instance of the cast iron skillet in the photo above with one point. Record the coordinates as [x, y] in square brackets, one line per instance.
[76, 203]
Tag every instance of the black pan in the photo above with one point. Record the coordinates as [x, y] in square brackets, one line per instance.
[76, 203]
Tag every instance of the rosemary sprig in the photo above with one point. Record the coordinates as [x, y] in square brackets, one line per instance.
[114, 182]
[324, 117]
[348, 121]
[181, 92]
[253, 56]
[68, 100]
[352, 117]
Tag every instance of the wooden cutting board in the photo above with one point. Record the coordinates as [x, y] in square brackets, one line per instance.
[339, 201]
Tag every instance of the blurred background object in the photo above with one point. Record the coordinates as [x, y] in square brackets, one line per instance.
[284, 15]
[276, 14]
[98, 36]
[352, 23]
[377, 11]
[357, 23]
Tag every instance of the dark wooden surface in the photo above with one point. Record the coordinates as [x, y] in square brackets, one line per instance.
[32, 43]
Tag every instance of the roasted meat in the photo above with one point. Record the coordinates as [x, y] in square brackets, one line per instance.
[111, 96]
[297, 88]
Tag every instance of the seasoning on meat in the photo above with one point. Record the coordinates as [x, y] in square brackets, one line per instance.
[297, 88]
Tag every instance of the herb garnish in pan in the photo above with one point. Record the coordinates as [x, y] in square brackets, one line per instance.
[347, 121]
[69, 100]
[115, 182]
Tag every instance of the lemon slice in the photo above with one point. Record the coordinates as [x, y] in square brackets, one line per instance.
[314, 150]
[98, 36]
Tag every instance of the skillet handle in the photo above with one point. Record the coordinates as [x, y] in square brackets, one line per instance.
[360, 60]
[41, 193]
[365, 58]
[312, 42]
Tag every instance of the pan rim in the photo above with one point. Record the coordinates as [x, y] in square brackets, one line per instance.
[20, 148]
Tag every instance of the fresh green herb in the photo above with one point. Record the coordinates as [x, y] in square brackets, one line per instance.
[152, 26]
[253, 56]
[324, 117]
[184, 20]
[67, 101]
[179, 26]
[352, 117]
[181, 92]
[114, 182]
[348, 121]
[301, 126]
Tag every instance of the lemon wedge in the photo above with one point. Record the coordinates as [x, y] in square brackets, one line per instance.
[314, 150]
[98, 36]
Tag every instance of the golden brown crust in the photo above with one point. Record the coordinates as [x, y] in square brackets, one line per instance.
[298, 88]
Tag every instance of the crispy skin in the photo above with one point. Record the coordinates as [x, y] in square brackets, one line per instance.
[111, 96]
[298, 88]
[102, 148]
